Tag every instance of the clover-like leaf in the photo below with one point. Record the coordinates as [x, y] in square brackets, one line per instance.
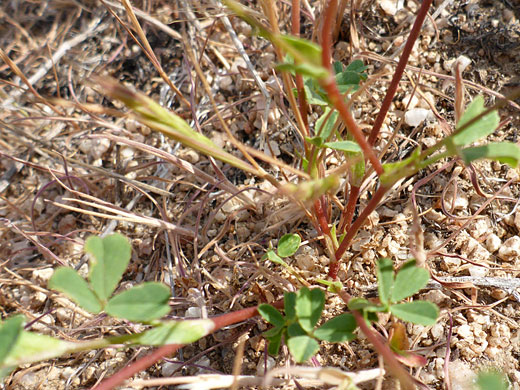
[309, 305]
[110, 257]
[416, 312]
[271, 315]
[385, 279]
[289, 305]
[295, 330]
[408, 281]
[337, 330]
[302, 347]
[274, 344]
[288, 245]
[68, 281]
[144, 302]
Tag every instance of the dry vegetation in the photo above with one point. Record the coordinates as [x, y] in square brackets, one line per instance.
[62, 139]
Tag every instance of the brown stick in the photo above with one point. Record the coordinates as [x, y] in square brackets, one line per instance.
[399, 70]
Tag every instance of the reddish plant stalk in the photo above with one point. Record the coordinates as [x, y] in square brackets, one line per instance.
[329, 84]
[395, 368]
[322, 218]
[399, 70]
[351, 233]
[350, 209]
[166, 350]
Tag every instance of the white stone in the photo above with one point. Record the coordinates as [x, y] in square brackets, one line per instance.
[464, 331]
[390, 7]
[462, 62]
[510, 250]
[416, 116]
[477, 272]
[43, 274]
[493, 243]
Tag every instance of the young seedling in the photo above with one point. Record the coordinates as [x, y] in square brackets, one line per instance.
[303, 311]
[298, 326]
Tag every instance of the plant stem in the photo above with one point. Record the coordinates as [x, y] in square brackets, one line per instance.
[329, 84]
[399, 70]
[345, 244]
[295, 30]
[348, 213]
[169, 349]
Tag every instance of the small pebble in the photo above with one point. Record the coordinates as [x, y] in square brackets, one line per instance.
[510, 250]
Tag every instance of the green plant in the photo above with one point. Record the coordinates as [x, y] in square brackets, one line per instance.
[144, 303]
[303, 311]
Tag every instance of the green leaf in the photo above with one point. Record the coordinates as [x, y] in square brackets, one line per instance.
[176, 332]
[313, 93]
[399, 169]
[271, 315]
[347, 81]
[359, 304]
[288, 245]
[295, 330]
[145, 302]
[110, 257]
[309, 305]
[325, 124]
[303, 49]
[479, 129]
[289, 304]
[10, 330]
[358, 67]
[302, 348]
[344, 146]
[32, 347]
[305, 69]
[492, 380]
[332, 287]
[68, 281]
[385, 279]
[273, 332]
[504, 152]
[409, 280]
[337, 66]
[417, 312]
[337, 330]
[274, 344]
[271, 255]
[316, 141]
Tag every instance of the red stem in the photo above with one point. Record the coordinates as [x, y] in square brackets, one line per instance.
[166, 350]
[322, 218]
[329, 84]
[395, 368]
[399, 70]
[345, 244]
[350, 209]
